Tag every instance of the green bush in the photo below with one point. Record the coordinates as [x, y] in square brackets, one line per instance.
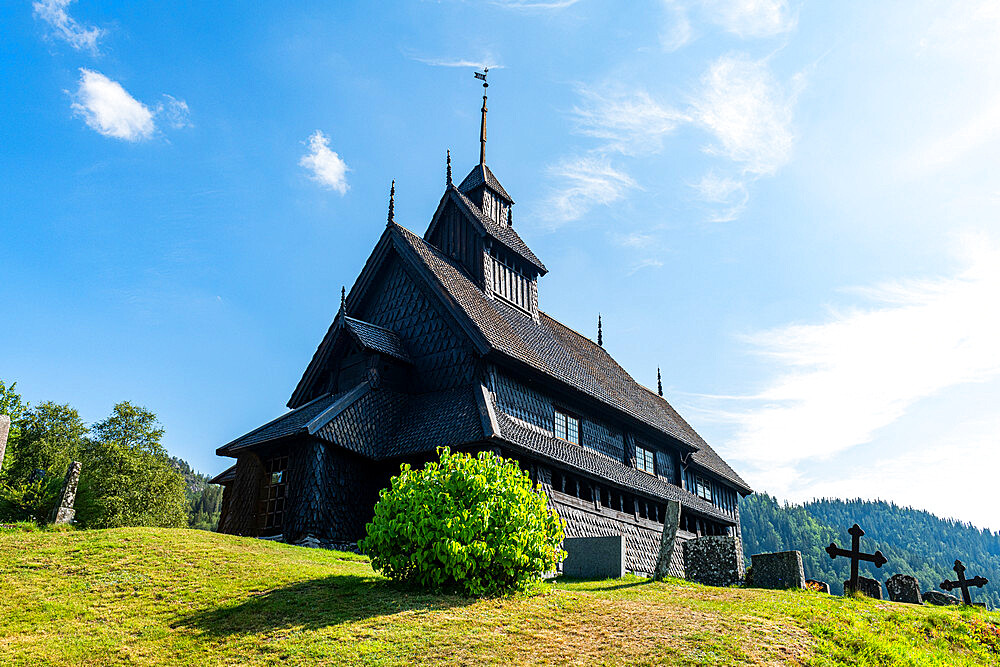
[28, 501]
[475, 525]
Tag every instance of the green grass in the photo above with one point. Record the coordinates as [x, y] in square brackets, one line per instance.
[185, 597]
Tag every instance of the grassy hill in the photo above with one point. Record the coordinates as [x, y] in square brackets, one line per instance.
[187, 597]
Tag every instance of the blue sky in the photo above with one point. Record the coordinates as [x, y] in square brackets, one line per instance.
[790, 207]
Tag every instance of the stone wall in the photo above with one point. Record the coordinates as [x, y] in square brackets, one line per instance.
[715, 560]
[777, 570]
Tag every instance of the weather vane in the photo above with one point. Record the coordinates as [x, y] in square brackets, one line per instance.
[482, 128]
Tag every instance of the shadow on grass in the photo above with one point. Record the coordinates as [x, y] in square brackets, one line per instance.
[608, 587]
[314, 604]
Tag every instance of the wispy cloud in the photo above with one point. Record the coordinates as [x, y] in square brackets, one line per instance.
[175, 112]
[65, 27]
[455, 62]
[678, 31]
[748, 112]
[108, 109]
[534, 4]
[751, 18]
[325, 166]
[582, 183]
[627, 122]
[730, 193]
[840, 381]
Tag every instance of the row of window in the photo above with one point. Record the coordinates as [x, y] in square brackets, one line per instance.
[607, 497]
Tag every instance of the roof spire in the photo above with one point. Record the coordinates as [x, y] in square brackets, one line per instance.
[482, 128]
[600, 333]
[392, 204]
[343, 303]
[659, 382]
[449, 168]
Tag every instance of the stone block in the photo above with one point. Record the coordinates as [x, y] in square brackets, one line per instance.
[782, 569]
[903, 588]
[4, 430]
[870, 587]
[940, 599]
[715, 560]
[668, 541]
[818, 586]
[594, 557]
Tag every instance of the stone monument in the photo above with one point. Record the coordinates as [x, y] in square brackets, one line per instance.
[866, 586]
[777, 570]
[64, 512]
[668, 542]
[904, 588]
[4, 430]
[715, 560]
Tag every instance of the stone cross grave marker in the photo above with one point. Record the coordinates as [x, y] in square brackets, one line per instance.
[855, 554]
[963, 583]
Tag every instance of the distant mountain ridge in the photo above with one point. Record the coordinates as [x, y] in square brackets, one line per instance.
[914, 541]
[204, 500]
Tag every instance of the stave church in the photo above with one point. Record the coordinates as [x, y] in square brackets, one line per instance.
[441, 341]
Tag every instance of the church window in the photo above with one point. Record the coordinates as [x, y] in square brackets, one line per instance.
[645, 460]
[567, 427]
[271, 508]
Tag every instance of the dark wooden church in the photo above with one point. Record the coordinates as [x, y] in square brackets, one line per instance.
[440, 341]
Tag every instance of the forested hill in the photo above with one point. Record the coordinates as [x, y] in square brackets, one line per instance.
[204, 500]
[914, 541]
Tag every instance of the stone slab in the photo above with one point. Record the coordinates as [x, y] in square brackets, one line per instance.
[4, 431]
[594, 557]
[782, 569]
[715, 560]
[668, 541]
[940, 599]
[63, 512]
[903, 588]
[870, 587]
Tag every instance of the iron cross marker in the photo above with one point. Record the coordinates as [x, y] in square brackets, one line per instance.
[963, 583]
[855, 554]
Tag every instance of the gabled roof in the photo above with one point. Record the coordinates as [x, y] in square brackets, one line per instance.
[548, 347]
[224, 477]
[502, 234]
[378, 339]
[290, 423]
[482, 174]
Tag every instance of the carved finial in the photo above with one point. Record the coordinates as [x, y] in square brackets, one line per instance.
[343, 298]
[449, 168]
[600, 333]
[659, 382]
[392, 204]
[482, 128]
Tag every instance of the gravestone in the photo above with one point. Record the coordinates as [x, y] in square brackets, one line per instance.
[903, 588]
[64, 512]
[782, 569]
[963, 583]
[856, 556]
[4, 430]
[594, 557]
[715, 560]
[940, 599]
[818, 586]
[869, 587]
[668, 541]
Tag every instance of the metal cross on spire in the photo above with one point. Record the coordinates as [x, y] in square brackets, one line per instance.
[855, 555]
[482, 128]
[964, 583]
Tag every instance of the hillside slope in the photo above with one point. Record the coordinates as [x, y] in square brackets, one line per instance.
[914, 542]
[158, 596]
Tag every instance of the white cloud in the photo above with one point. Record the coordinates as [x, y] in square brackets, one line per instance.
[455, 62]
[841, 381]
[751, 18]
[108, 108]
[729, 192]
[748, 112]
[582, 183]
[628, 122]
[326, 167]
[65, 26]
[175, 112]
[534, 4]
[678, 31]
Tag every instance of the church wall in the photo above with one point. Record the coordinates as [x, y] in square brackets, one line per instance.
[442, 358]
[241, 512]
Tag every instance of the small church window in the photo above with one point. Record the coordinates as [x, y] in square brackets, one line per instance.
[271, 507]
[567, 427]
[645, 460]
[704, 488]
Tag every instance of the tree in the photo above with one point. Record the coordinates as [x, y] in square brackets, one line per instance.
[127, 479]
[476, 525]
[12, 405]
[50, 437]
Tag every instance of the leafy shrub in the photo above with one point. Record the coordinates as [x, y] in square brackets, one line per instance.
[28, 501]
[475, 525]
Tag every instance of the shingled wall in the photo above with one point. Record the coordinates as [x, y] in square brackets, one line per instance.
[442, 359]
